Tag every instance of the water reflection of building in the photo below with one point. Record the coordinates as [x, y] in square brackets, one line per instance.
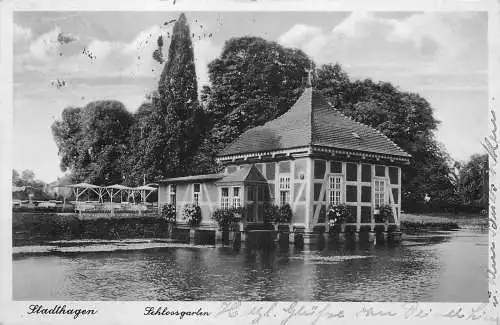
[310, 157]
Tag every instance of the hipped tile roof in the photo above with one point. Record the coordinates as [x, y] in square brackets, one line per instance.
[312, 121]
[187, 179]
[245, 174]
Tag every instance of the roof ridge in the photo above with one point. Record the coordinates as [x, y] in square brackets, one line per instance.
[311, 124]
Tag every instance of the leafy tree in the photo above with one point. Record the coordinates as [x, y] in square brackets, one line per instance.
[15, 178]
[251, 82]
[474, 180]
[28, 176]
[92, 140]
[67, 134]
[33, 188]
[406, 118]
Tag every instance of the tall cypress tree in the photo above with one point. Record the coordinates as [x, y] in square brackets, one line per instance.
[178, 99]
[168, 130]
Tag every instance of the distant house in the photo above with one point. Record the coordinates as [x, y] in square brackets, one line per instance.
[310, 157]
[57, 188]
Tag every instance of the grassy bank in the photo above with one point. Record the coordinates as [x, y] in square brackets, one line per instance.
[442, 221]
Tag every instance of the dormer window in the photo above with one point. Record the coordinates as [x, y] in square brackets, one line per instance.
[355, 135]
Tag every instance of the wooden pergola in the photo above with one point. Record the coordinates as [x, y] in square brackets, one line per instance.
[116, 189]
[145, 191]
[112, 191]
[80, 189]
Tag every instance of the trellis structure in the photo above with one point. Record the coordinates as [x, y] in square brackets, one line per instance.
[80, 189]
[145, 191]
[116, 189]
[112, 192]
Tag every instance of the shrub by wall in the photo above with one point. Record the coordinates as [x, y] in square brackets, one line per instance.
[37, 228]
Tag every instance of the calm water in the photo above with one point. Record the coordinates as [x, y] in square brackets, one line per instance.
[440, 266]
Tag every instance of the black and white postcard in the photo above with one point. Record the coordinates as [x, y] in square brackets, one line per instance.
[267, 162]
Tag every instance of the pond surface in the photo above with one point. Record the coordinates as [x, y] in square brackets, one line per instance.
[435, 267]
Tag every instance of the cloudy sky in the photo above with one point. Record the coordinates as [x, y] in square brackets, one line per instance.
[107, 55]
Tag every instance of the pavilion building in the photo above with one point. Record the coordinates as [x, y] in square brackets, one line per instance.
[310, 157]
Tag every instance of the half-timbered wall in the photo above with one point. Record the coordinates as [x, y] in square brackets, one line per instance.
[289, 176]
[360, 185]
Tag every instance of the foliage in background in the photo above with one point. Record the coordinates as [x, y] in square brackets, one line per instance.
[29, 186]
[251, 82]
[474, 180]
[168, 213]
[192, 215]
[404, 117]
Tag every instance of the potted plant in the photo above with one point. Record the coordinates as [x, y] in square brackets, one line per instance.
[338, 215]
[237, 213]
[167, 212]
[271, 213]
[385, 213]
[285, 214]
[224, 218]
[192, 215]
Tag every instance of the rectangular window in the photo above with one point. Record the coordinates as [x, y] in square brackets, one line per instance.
[284, 197]
[366, 194]
[270, 170]
[394, 175]
[352, 172]
[379, 192]
[319, 169]
[395, 195]
[260, 193]
[196, 194]
[351, 194]
[336, 167]
[317, 191]
[366, 214]
[284, 189]
[380, 170]
[224, 199]
[236, 201]
[284, 167]
[251, 193]
[366, 173]
[173, 191]
[334, 190]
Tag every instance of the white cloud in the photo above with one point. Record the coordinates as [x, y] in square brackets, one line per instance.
[204, 52]
[299, 34]
[429, 40]
[110, 58]
[22, 33]
[45, 44]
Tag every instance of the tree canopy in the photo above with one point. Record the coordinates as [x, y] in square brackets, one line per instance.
[33, 188]
[91, 141]
[251, 82]
[404, 117]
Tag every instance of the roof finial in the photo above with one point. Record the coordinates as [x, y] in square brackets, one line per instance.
[309, 75]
